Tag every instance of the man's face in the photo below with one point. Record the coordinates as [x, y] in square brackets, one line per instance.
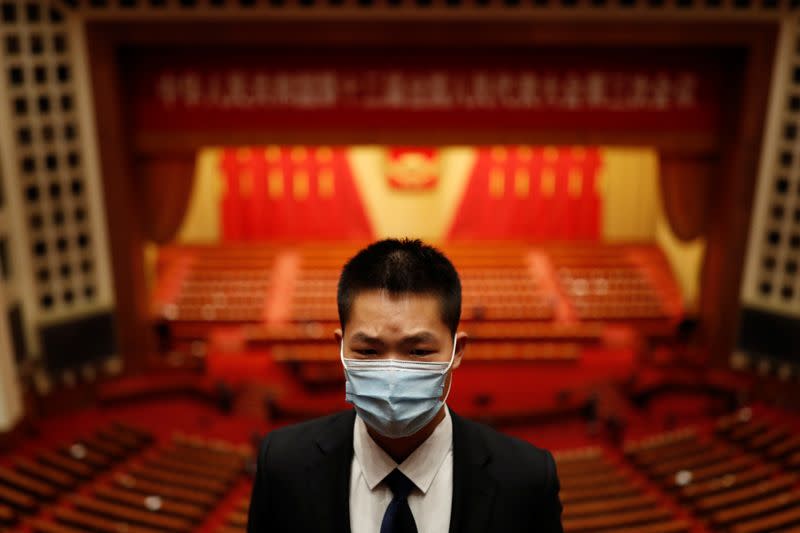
[405, 327]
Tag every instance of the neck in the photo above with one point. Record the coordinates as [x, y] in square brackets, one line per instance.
[400, 449]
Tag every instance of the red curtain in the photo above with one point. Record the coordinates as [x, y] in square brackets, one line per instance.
[290, 193]
[165, 187]
[532, 194]
[685, 189]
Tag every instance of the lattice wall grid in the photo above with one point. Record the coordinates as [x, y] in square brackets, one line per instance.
[56, 234]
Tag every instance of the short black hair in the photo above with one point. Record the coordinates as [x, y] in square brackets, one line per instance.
[401, 266]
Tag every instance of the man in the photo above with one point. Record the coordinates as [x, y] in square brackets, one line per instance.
[401, 462]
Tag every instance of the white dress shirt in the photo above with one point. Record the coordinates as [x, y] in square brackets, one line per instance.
[429, 467]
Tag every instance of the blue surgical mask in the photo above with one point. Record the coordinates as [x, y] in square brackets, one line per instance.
[396, 398]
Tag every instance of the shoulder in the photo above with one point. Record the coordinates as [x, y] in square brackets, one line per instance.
[503, 447]
[312, 428]
[283, 444]
[522, 472]
[510, 458]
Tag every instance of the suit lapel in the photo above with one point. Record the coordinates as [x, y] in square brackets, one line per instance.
[328, 475]
[473, 487]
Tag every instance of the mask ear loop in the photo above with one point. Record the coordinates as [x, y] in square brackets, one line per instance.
[449, 366]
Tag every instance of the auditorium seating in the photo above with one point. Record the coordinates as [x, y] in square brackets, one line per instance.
[236, 520]
[199, 287]
[507, 293]
[612, 284]
[568, 311]
[515, 309]
[231, 294]
[498, 283]
[297, 358]
[140, 474]
[314, 296]
[684, 458]
[772, 439]
[172, 485]
[32, 478]
[729, 487]
[494, 287]
[599, 495]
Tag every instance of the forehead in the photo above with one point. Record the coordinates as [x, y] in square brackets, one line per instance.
[379, 312]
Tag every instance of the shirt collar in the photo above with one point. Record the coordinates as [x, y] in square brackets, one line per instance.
[420, 467]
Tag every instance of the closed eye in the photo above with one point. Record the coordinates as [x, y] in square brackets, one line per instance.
[366, 351]
[421, 352]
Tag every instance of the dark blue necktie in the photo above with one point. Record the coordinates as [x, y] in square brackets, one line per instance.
[398, 517]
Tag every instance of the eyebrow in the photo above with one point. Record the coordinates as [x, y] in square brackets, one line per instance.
[367, 339]
[416, 338]
[419, 338]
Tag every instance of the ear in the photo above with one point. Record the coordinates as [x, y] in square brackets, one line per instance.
[461, 345]
[338, 335]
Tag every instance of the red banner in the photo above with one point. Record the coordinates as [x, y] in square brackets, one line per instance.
[247, 91]
[290, 193]
[531, 194]
[519, 192]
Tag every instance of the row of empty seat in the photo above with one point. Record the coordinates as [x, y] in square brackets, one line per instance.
[502, 293]
[599, 496]
[211, 284]
[236, 520]
[773, 440]
[611, 292]
[167, 487]
[314, 297]
[736, 475]
[34, 479]
[221, 295]
[730, 488]
[500, 282]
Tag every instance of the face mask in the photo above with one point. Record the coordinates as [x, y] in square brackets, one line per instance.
[396, 398]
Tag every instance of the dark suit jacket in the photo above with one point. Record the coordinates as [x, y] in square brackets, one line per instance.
[500, 484]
